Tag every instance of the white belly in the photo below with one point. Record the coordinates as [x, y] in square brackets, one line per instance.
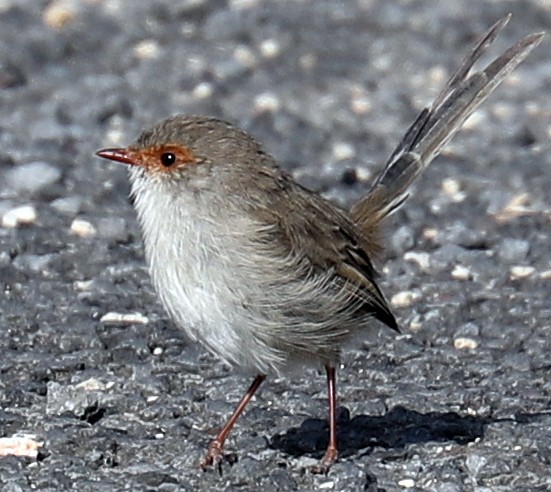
[194, 271]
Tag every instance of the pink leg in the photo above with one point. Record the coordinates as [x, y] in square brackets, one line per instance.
[332, 452]
[216, 447]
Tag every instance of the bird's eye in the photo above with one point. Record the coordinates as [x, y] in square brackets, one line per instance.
[168, 158]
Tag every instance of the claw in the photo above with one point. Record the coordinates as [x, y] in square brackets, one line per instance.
[323, 467]
[214, 456]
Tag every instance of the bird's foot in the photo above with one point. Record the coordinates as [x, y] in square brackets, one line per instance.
[323, 467]
[215, 457]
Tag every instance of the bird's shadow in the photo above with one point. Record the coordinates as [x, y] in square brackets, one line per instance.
[394, 430]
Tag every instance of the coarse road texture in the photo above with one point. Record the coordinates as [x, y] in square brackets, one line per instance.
[459, 402]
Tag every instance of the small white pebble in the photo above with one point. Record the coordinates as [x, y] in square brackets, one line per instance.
[152, 399]
[438, 75]
[83, 228]
[242, 4]
[17, 216]
[326, 485]
[121, 319]
[267, 102]
[430, 233]
[459, 197]
[405, 298]
[91, 384]
[407, 483]
[521, 271]
[158, 350]
[516, 207]
[83, 285]
[59, 13]
[343, 150]
[26, 446]
[362, 174]
[422, 259]
[546, 275]
[270, 48]
[435, 206]
[452, 189]
[159, 435]
[244, 56]
[203, 90]
[450, 186]
[147, 49]
[465, 343]
[361, 104]
[461, 272]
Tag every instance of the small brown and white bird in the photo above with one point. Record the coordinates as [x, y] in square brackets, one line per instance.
[265, 273]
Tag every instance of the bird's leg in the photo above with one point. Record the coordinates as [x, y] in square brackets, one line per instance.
[332, 452]
[216, 447]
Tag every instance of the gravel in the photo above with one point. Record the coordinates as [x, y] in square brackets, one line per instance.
[461, 401]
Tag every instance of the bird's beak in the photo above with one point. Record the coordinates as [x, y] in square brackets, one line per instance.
[125, 156]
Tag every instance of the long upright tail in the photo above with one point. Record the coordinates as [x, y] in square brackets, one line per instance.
[437, 124]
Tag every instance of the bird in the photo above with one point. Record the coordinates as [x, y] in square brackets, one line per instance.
[263, 272]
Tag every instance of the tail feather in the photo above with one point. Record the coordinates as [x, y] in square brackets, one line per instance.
[437, 124]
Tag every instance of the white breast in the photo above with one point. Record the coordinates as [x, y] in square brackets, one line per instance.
[192, 254]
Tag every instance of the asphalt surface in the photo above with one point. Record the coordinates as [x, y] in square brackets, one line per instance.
[461, 401]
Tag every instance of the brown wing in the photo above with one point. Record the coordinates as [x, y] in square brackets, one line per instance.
[313, 227]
